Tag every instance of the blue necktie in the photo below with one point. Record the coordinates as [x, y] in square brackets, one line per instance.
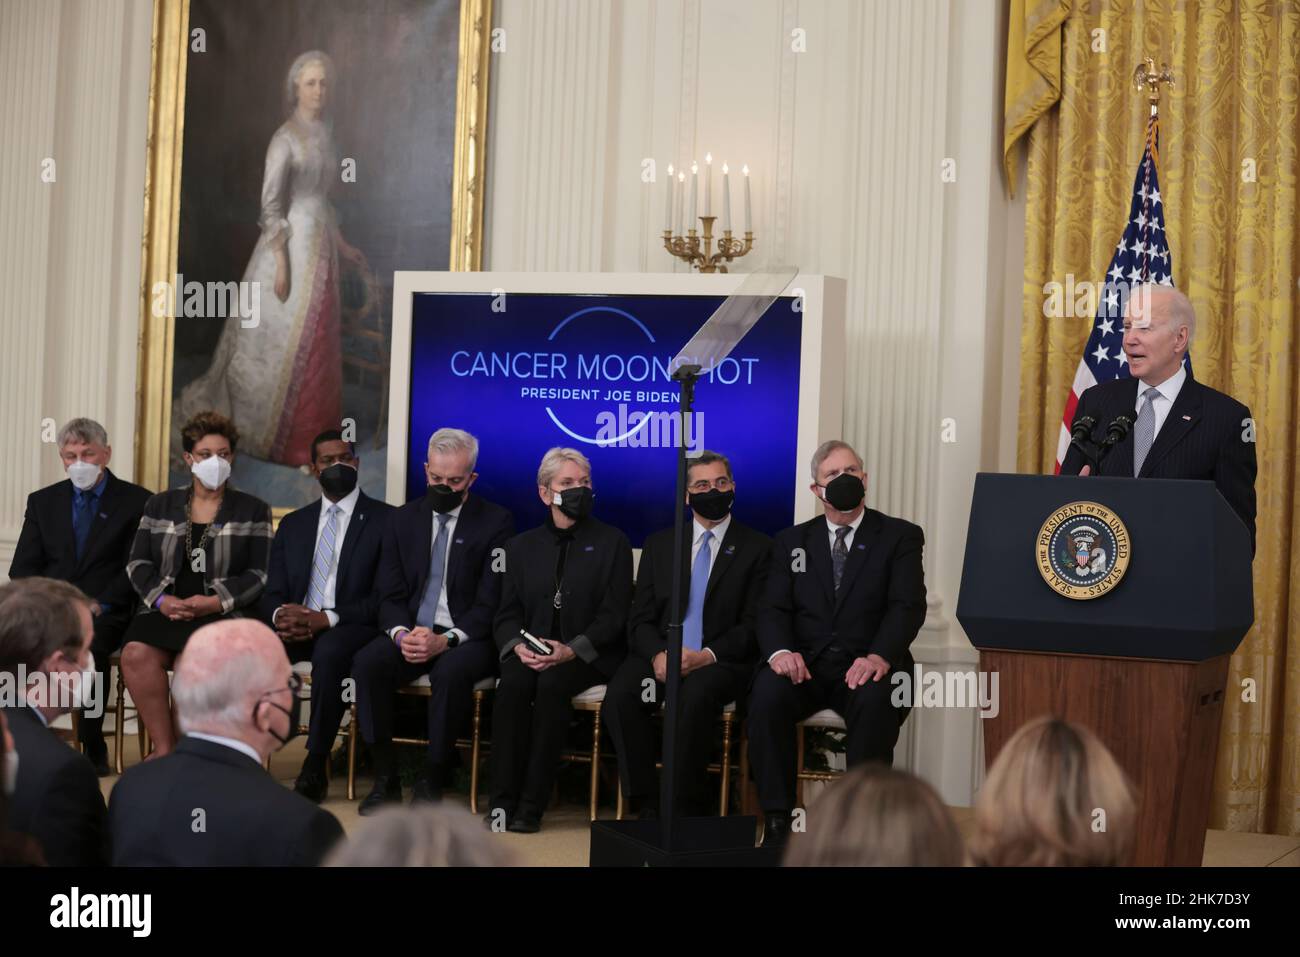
[320, 566]
[693, 625]
[83, 515]
[433, 587]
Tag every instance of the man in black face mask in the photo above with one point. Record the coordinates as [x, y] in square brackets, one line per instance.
[209, 803]
[844, 599]
[438, 585]
[723, 572]
[320, 595]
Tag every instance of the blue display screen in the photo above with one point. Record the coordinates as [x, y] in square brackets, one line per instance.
[527, 371]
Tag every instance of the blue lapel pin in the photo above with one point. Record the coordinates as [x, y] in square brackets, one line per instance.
[460, 541]
[862, 548]
[590, 548]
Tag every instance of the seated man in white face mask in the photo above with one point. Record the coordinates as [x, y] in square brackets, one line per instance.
[80, 530]
[201, 554]
[45, 664]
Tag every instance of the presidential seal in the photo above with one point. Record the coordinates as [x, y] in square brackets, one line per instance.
[1083, 550]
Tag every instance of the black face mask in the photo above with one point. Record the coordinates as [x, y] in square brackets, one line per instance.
[713, 504]
[845, 492]
[338, 480]
[576, 502]
[442, 498]
[294, 711]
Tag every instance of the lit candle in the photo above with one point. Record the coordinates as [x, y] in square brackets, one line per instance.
[681, 198]
[726, 199]
[749, 222]
[668, 213]
[708, 184]
[695, 188]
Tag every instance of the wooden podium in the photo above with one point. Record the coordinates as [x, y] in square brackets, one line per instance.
[1143, 664]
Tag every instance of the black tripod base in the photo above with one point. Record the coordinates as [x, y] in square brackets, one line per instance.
[697, 842]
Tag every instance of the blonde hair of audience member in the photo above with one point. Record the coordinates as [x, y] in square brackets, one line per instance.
[1043, 801]
[875, 816]
[421, 836]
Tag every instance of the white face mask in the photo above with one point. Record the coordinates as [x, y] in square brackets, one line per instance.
[11, 773]
[212, 472]
[84, 475]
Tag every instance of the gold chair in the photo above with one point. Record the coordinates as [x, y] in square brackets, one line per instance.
[118, 711]
[590, 700]
[722, 768]
[421, 688]
[825, 719]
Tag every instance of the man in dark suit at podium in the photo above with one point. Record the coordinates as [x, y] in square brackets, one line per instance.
[1181, 428]
[723, 570]
[844, 599]
[320, 591]
[439, 582]
[80, 530]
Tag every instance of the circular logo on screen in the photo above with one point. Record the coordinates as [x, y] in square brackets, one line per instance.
[1083, 550]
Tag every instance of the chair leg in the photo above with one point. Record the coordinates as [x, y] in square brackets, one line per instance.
[119, 722]
[618, 808]
[727, 720]
[595, 761]
[474, 743]
[798, 771]
[352, 753]
[746, 788]
[75, 715]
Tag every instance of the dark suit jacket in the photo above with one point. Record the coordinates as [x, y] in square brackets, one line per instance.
[46, 546]
[294, 549]
[880, 604]
[730, 600]
[597, 591]
[1200, 439]
[58, 801]
[247, 819]
[473, 587]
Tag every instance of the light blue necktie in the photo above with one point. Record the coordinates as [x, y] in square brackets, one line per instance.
[433, 587]
[320, 565]
[693, 625]
[1144, 430]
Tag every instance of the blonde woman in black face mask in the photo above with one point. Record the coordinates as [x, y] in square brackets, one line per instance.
[201, 554]
[568, 586]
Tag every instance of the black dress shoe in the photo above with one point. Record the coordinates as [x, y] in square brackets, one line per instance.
[312, 785]
[524, 825]
[425, 792]
[776, 829]
[387, 790]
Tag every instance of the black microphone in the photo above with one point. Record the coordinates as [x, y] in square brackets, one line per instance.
[1081, 439]
[1116, 433]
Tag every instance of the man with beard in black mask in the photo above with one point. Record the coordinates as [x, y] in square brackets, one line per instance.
[320, 594]
[561, 629]
[723, 570]
[843, 601]
[439, 582]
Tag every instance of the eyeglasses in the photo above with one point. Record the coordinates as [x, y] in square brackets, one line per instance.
[722, 484]
[294, 685]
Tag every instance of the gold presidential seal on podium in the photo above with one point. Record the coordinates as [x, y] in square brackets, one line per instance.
[1083, 550]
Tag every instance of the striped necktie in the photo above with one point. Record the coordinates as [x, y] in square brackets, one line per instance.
[324, 560]
[1144, 429]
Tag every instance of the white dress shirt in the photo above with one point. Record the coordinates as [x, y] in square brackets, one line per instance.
[442, 617]
[241, 746]
[1163, 399]
[831, 529]
[719, 532]
[347, 505]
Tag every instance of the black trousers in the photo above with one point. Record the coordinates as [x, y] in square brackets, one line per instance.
[109, 629]
[629, 710]
[331, 653]
[529, 719]
[776, 705]
[380, 670]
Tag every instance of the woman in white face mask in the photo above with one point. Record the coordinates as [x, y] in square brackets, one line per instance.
[200, 554]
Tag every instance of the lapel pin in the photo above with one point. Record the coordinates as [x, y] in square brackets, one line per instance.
[731, 550]
[460, 541]
[1187, 418]
[590, 548]
[861, 548]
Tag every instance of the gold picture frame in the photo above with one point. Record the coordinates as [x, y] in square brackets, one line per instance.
[162, 200]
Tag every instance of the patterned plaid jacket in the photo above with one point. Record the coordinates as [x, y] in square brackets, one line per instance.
[238, 549]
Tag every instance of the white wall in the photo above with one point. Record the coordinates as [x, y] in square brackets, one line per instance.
[845, 142]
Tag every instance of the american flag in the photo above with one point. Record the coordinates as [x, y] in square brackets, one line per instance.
[1142, 256]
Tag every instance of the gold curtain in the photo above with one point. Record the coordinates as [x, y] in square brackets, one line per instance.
[1229, 131]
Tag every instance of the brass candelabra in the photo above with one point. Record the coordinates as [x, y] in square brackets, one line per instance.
[698, 250]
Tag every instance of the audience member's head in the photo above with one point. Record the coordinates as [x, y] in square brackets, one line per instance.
[1055, 797]
[875, 816]
[421, 836]
[233, 680]
[45, 634]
